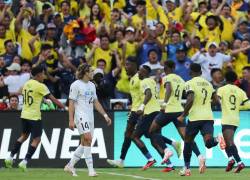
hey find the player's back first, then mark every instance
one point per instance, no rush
(203, 91)
(33, 93)
(134, 87)
(177, 87)
(231, 99)
(153, 104)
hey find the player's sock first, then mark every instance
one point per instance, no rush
(125, 146)
(228, 152)
(88, 158)
(187, 154)
(235, 153)
(30, 153)
(196, 150)
(16, 148)
(211, 143)
(77, 155)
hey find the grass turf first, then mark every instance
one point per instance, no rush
(120, 174)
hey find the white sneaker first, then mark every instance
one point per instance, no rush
(70, 170)
(115, 163)
(93, 174)
(167, 155)
(202, 164)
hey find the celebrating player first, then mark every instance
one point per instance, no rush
(33, 93)
(82, 97)
(198, 108)
(232, 97)
(172, 108)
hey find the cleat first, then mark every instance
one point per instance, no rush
(202, 164)
(115, 163)
(230, 165)
(239, 168)
(185, 172)
(178, 149)
(70, 170)
(8, 163)
(167, 155)
(22, 166)
(149, 164)
(221, 142)
(168, 169)
(93, 174)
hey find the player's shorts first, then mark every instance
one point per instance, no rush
(35, 128)
(133, 118)
(144, 124)
(163, 119)
(204, 126)
(231, 127)
(84, 125)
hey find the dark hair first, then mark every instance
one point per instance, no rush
(152, 50)
(246, 68)
(131, 59)
(101, 60)
(147, 68)
(202, 3)
(37, 70)
(25, 61)
(195, 68)
(104, 36)
(7, 41)
(82, 70)
(67, 2)
(45, 47)
(169, 64)
(99, 16)
(140, 2)
(46, 6)
(231, 76)
(14, 96)
(214, 70)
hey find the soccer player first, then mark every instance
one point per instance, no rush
(33, 93)
(198, 108)
(82, 98)
(171, 109)
(232, 98)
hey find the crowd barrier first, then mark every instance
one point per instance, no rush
(58, 142)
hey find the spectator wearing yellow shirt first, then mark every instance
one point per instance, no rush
(138, 19)
(95, 17)
(85, 7)
(175, 13)
(3, 38)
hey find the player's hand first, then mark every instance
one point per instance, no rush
(163, 106)
(108, 120)
(181, 118)
(71, 125)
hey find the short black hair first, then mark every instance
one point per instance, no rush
(101, 60)
(45, 47)
(147, 68)
(7, 41)
(214, 70)
(202, 3)
(67, 2)
(36, 70)
(104, 36)
(246, 68)
(195, 68)
(14, 96)
(132, 59)
(141, 2)
(46, 6)
(169, 64)
(231, 76)
(152, 50)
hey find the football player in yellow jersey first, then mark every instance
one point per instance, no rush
(33, 93)
(171, 109)
(232, 98)
(134, 86)
(198, 108)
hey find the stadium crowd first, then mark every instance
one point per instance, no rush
(61, 35)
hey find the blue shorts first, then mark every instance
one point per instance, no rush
(204, 126)
(133, 118)
(144, 124)
(225, 127)
(34, 128)
(163, 119)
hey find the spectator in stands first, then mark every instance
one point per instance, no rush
(3, 38)
(130, 7)
(217, 78)
(242, 31)
(10, 52)
(118, 106)
(182, 64)
(13, 103)
(65, 8)
(153, 62)
(245, 83)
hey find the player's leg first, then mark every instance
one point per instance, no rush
(36, 133)
(231, 150)
(132, 121)
(207, 131)
(192, 130)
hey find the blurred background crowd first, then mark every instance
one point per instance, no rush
(62, 34)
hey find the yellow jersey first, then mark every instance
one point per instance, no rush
(105, 55)
(203, 91)
(122, 84)
(231, 99)
(33, 93)
(177, 87)
(134, 88)
(153, 104)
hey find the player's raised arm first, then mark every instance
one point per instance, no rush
(100, 109)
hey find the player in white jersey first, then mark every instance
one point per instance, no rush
(82, 100)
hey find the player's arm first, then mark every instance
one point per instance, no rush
(245, 105)
(167, 94)
(56, 101)
(188, 106)
(100, 109)
(71, 114)
(148, 96)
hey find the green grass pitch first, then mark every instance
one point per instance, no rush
(121, 174)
